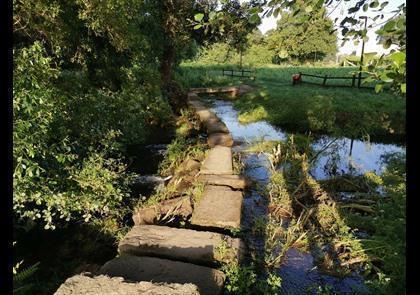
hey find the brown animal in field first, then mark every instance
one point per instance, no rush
(296, 78)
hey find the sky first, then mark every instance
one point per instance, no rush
(370, 46)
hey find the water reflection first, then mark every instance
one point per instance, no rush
(346, 156)
(299, 273)
(343, 156)
(251, 132)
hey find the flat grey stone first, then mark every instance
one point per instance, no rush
(233, 181)
(223, 139)
(188, 245)
(219, 207)
(196, 104)
(148, 215)
(85, 284)
(218, 161)
(214, 89)
(157, 270)
(214, 125)
(192, 95)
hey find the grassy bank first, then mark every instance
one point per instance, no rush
(364, 234)
(338, 111)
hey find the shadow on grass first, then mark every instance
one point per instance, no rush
(336, 111)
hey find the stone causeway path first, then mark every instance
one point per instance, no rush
(156, 259)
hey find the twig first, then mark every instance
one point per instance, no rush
(322, 150)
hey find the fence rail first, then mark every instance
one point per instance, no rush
(239, 73)
(353, 79)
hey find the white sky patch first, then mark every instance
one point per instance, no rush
(371, 45)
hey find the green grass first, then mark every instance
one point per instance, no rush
(338, 111)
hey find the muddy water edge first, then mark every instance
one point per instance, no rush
(335, 157)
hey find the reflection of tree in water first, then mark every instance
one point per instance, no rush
(338, 156)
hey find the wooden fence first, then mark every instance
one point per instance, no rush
(324, 78)
(239, 73)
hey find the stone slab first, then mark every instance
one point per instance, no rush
(200, 247)
(233, 181)
(214, 125)
(218, 161)
(223, 139)
(157, 270)
(148, 215)
(86, 284)
(218, 207)
(213, 89)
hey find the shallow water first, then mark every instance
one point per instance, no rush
(298, 272)
(341, 157)
(245, 133)
(145, 160)
(345, 157)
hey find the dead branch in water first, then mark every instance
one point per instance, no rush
(360, 207)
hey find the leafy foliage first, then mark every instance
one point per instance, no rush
(392, 32)
(311, 42)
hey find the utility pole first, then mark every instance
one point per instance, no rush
(363, 51)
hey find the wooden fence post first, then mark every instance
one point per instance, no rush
(325, 81)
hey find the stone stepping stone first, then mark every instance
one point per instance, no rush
(85, 284)
(218, 161)
(223, 139)
(207, 115)
(187, 245)
(192, 96)
(214, 89)
(219, 207)
(157, 270)
(196, 104)
(148, 215)
(214, 125)
(233, 181)
(210, 121)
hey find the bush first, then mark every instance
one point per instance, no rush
(68, 138)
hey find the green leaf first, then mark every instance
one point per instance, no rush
(198, 17)
(379, 87)
(212, 15)
(197, 26)
(398, 58)
(283, 54)
(365, 7)
(374, 4)
(384, 4)
(403, 87)
(387, 43)
(308, 9)
(384, 77)
(389, 26)
(254, 18)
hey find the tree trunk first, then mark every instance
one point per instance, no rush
(166, 65)
(240, 59)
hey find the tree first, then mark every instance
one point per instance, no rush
(232, 23)
(312, 42)
(352, 29)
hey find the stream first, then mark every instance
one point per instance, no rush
(342, 156)
(298, 272)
